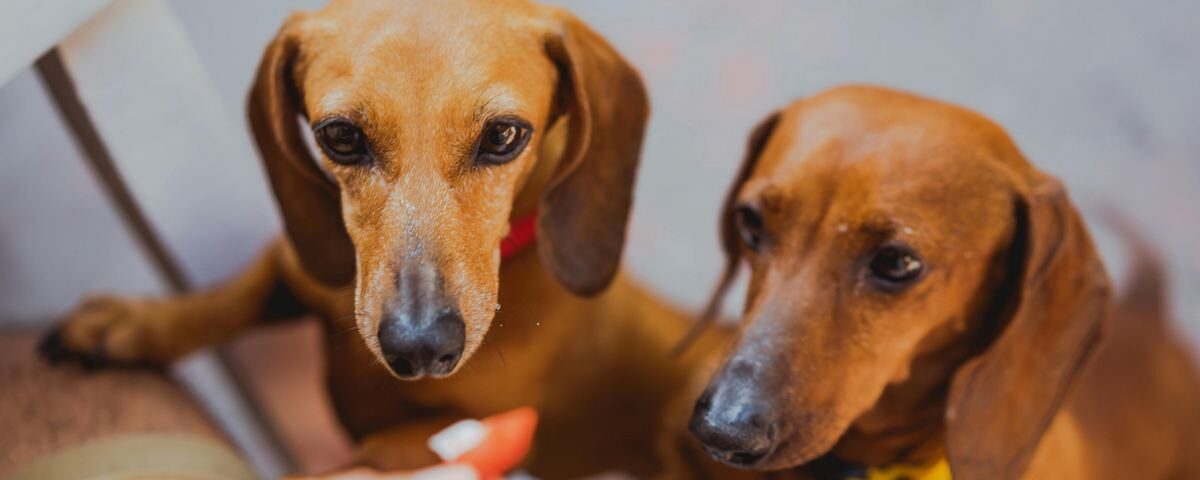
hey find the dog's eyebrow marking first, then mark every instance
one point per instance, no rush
(499, 101)
(339, 102)
(334, 101)
(771, 197)
(878, 226)
(483, 106)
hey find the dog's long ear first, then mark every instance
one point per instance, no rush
(727, 226)
(585, 208)
(308, 201)
(1002, 402)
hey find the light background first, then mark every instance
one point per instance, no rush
(1102, 93)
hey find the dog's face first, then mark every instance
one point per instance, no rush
(425, 127)
(878, 228)
(430, 117)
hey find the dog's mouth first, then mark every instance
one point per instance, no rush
(825, 466)
(822, 463)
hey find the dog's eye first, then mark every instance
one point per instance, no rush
(895, 266)
(342, 141)
(502, 140)
(750, 227)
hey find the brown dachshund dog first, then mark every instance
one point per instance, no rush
(440, 124)
(920, 293)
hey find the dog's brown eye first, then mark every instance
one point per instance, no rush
(750, 226)
(896, 266)
(342, 141)
(502, 140)
(500, 137)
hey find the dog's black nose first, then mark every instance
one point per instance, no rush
(414, 347)
(734, 427)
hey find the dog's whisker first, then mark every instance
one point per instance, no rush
(355, 315)
(343, 332)
(500, 353)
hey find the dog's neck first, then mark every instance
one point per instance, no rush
(522, 233)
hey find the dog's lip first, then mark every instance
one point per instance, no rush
(768, 460)
(812, 456)
(731, 458)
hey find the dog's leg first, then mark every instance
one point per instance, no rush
(156, 331)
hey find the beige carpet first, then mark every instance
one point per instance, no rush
(44, 409)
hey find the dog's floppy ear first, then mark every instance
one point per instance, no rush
(585, 208)
(308, 201)
(1002, 402)
(727, 226)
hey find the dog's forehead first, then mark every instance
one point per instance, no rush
(360, 50)
(902, 139)
(422, 81)
(873, 122)
(860, 155)
(443, 27)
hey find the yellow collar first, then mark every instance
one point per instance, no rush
(938, 470)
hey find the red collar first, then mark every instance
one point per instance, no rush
(521, 233)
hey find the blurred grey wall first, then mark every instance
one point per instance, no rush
(1101, 93)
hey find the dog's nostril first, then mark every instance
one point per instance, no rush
(447, 359)
(759, 422)
(402, 367)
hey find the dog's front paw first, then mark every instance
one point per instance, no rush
(105, 330)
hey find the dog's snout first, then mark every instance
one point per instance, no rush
(736, 424)
(414, 346)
